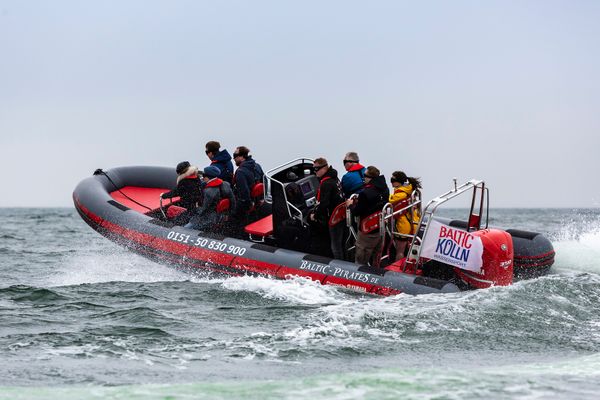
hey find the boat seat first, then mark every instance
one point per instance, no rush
(175, 211)
(141, 199)
(223, 206)
(261, 228)
(257, 194)
(257, 191)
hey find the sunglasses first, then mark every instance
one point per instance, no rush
(236, 155)
(349, 161)
(206, 151)
(318, 167)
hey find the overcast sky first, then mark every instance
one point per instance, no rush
(505, 91)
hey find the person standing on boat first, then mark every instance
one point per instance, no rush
(370, 200)
(353, 179)
(215, 189)
(407, 221)
(247, 174)
(188, 190)
(220, 159)
(329, 196)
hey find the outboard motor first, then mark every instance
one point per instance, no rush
(497, 266)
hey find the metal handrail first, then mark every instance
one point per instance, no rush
(349, 223)
(160, 205)
(386, 224)
(432, 206)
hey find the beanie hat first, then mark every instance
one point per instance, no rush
(211, 171)
(182, 167)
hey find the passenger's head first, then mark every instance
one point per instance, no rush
(320, 167)
(350, 160)
(398, 178)
(211, 172)
(212, 148)
(240, 154)
(182, 167)
(371, 173)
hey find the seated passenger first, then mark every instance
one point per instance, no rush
(371, 200)
(406, 222)
(188, 190)
(215, 189)
(220, 159)
(329, 196)
(246, 175)
(353, 179)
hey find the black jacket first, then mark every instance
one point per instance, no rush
(248, 173)
(373, 197)
(329, 196)
(188, 189)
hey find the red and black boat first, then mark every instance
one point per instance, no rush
(124, 205)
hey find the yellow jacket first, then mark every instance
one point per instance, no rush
(406, 222)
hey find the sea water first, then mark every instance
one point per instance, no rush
(81, 317)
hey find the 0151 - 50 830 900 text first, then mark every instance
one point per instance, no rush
(210, 244)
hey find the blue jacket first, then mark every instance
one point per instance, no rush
(353, 180)
(222, 160)
(247, 174)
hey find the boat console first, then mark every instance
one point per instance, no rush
(309, 187)
(292, 189)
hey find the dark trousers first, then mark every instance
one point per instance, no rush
(366, 246)
(337, 236)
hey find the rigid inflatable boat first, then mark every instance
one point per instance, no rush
(124, 205)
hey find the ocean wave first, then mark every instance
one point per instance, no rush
(136, 315)
(12, 237)
(543, 313)
(23, 293)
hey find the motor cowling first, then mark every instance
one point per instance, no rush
(497, 260)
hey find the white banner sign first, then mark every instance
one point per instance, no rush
(453, 246)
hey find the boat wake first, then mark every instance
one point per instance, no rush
(111, 265)
(578, 248)
(296, 290)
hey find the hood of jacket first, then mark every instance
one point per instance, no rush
(190, 172)
(404, 188)
(380, 184)
(222, 156)
(214, 182)
(356, 167)
(331, 173)
(248, 163)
